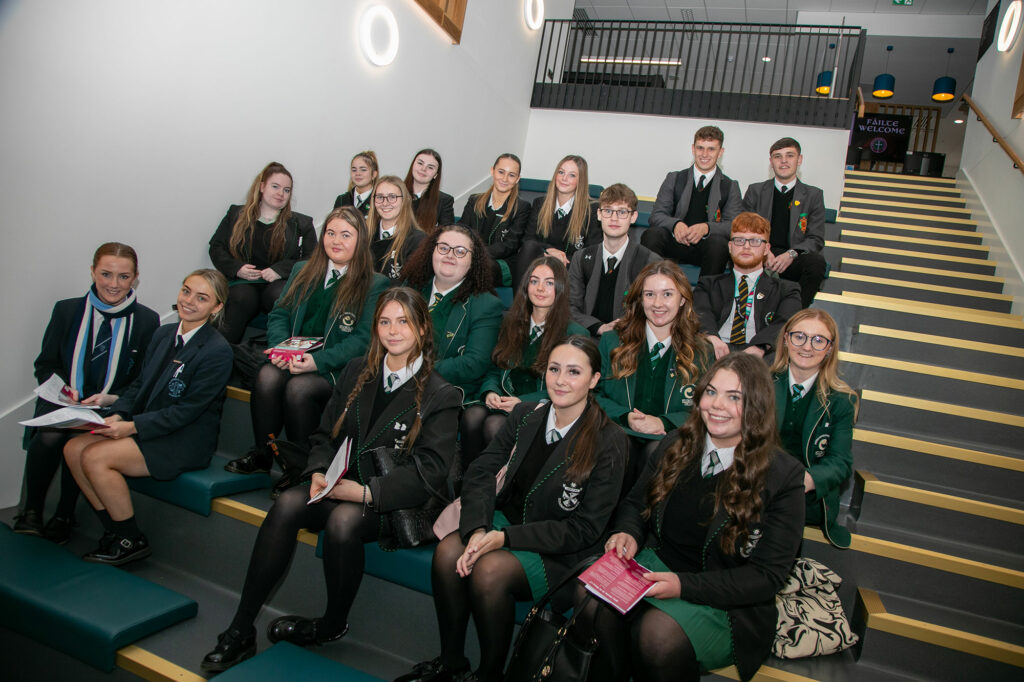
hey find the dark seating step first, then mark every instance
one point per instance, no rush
(882, 177)
(867, 185)
(872, 340)
(194, 490)
(918, 245)
(924, 217)
(896, 253)
(951, 234)
(285, 661)
(941, 276)
(885, 286)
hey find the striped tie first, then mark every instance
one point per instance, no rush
(739, 320)
(559, 214)
(611, 263)
(437, 299)
(655, 353)
(392, 380)
(335, 276)
(700, 183)
(713, 461)
(535, 333)
(798, 390)
(553, 436)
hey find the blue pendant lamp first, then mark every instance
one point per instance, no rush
(945, 86)
(885, 83)
(823, 85)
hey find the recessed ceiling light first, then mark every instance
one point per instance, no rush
(958, 120)
(766, 59)
(630, 60)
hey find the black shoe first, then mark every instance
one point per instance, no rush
(232, 648)
(58, 529)
(286, 481)
(435, 671)
(301, 631)
(116, 551)
(253, 463)
(29, 523)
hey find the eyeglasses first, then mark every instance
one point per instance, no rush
(617, 212)
(459, 251)
(799, 339)
(386, 198)
(753, 241)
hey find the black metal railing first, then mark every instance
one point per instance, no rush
(752, 72)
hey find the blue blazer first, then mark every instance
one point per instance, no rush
(176, 403)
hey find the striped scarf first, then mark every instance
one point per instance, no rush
(121, 317)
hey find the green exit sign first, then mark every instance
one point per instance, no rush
(905, 3)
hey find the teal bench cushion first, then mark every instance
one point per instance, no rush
(285, 661)
(88, 611)
(195, 490)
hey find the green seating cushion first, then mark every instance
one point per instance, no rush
(285, 661)
(195, 490)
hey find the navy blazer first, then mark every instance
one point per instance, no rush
(806, 212)
(175, 403)
(775, 301)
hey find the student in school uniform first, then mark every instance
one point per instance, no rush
(256, 246)
(499, 216)
(564, 220)
(392, 398)
(600, 275)
(394, 234)
(165, 423)
(332, 296)
(423, 180)
(451, 269)
(816, 411)
(717, 518)
(95, 344)
(537, 322)
(564, 471)
(362, 177)
(653, 359)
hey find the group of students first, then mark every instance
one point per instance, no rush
(592, 441)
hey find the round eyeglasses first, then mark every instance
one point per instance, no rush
(459, 251)
(799, 339)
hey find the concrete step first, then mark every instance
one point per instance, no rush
(897, 228)
(945, 217)
(882, 178)
(909, 200)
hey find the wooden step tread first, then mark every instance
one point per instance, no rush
(875, 486)
(153, 668)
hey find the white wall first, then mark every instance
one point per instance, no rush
(909, 24)
(640, 150)
(998, 188)
(140, 121)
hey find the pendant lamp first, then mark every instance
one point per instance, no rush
(885, 83)
(945, 86)
(823, 84)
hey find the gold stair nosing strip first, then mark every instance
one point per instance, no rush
(151, 667)
(886, 177)
(236, 393)
(877, 618)
(764, 674)
(922, 199)
(650, 199)
(902, 185)
(861, 435)
(920, 286)
(844, 205)
(899, 305)
(845, 260)
(963, 505)
(948, 409)
(932, 370)
(966, 344)
(910, 254)
(915, 216)
(907, 227)
(882, 236)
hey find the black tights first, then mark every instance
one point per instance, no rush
(346, 529)
(294, 401)
(490, 593)
(246, 301)
(479, 426)
(45, 454)
(646, 643)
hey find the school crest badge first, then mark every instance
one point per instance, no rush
(570, 498)
(821, 445)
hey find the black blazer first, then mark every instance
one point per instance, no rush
(383, 262)
(503, 239)
(299, 244)
(806, 212)
(775, 301)
(348, 199)
(743, 583)
(445, 210)
(176, 404)
(565, 522)
(585, 271)
(436, 445)
(673, 201)
(556, 237)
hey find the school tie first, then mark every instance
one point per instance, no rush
(559, 214)
(535, 333)
(179, 344)
(437, 299)
(612, 260)
(361, 205)
(392, 380)
(739, 319)
(100, 358)
(713, 461)
(387, 234)
(335, 277)
(553, 436)
(798, 391)
(655, 353)
(784, 190)
(700, 183)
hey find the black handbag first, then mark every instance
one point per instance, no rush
(547, 649)
(405, 528)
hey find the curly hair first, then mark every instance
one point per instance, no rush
(515, 329)
(739, 488)
(241, 234)
(419, 270)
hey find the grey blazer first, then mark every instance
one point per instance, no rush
(585, 270)
(806, 212)
(671, 205)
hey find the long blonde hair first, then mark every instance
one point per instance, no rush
(579, 219)
(405, 224)
(828, 371)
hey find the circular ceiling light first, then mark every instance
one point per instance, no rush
(958, 121)
(533, 13)
(1010, 27)
(371, 15)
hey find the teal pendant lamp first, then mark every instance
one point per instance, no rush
(823, 84)
(945, 86)
(884, 86)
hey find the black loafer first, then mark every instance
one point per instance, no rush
(252, 463)
(117, 551)
(232, 648)
(58, 529)
(301, 631)
(29, 523)
(435, 671)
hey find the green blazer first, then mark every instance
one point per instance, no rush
(346, 335)
(497, 381)
(827, 455)
(470, 334)
(617, 396)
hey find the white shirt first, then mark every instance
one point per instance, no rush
(403, 374)
(606, 254)
(789, 187)
(187, 336)
(806, 385)
(551, 426)
(387, 234)
(567, 206)
(331, 269)
(536, 325)
(725, 333)
(708, 177)
(652, 339)
(435, 290)
(360, 198)
(725, 457)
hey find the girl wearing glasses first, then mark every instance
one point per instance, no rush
(395, 234)
(499, 216)
(423, 180)
(816, 411)
(256, 246)
(451, 269)
(362, 177)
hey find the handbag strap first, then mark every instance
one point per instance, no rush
(569, 577)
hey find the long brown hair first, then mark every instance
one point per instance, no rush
(740, 486)
(405, 223)
(515, 329)
(418, 316)
(350, 293)
(419, 271)
(828, 371)
(686, 337)
(245, 225)
(579, 219)
(513, 196)
(426, 209)
(586, 442)
(371, 161)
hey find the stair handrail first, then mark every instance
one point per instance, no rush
(996, 137)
